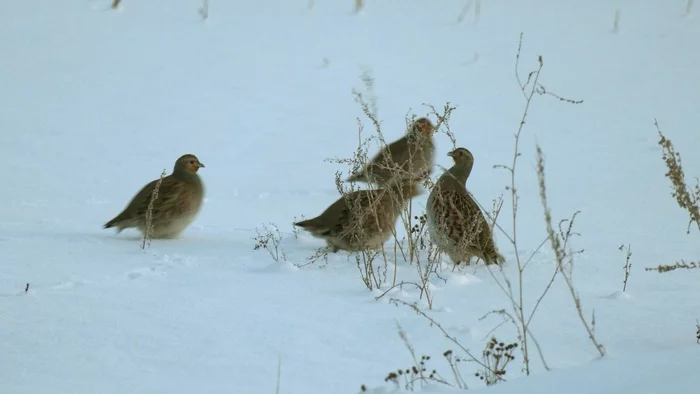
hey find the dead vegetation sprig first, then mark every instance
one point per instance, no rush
(115, 4)
(564, 256)
(628, 264)
(269, 239)
(495, 358)
(432, 321)
(529, 87)
(496, 355)
(465, 10)
(678, 265)
(686, 197)
(204, 10)
(491, 366)
(359, 5)
(147, 235)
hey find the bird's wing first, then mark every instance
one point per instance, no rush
(169, 193)
(460, 217)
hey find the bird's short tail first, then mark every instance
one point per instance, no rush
(359, 177)
(313, 226)
(115, 223)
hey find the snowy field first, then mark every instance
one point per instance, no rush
(96, 102)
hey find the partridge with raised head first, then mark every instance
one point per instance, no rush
(409, 158)
(176, 205)
(361, 220)
(456, 224)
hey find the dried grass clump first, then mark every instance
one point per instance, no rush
(687, 198)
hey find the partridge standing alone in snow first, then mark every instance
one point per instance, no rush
(361, 220)
(456, 225)
(408, 158)
(178, 202)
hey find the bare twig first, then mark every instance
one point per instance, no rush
(204, 10)
(562, 256)
(149, 213)
(628, 264)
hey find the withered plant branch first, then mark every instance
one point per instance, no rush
(561, 255)
(454, 340)
(147, 235)
(686, 198)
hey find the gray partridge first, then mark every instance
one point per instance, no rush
(409, 158)
(178, 202)
(362, 219)
(456, 225)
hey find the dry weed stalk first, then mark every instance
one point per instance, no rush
(483, 364)
(149, 213)
(680, 264)
(496, 355)
(616, 21)
(269, 239)
(687, 198)
(564, 257)
(628, 264)
(359, 5)
(465, 10)
(115, 4)
(204, 10)
(279, 374)
(528, 87)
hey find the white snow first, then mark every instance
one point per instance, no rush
(96, 102)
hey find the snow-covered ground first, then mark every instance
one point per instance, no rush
(95, 103)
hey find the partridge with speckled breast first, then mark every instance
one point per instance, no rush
(177, 204)
(410, 158)
(361, 220)
(456, 224)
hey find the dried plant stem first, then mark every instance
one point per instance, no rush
(149, 213)
(444, 332)
(628, 265)
(561, 255)
(681, 264)
(204, 10)
(359, 5)
(686, 198)
(518, 303)
(115, 4)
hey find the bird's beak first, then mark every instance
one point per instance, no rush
(200, 165)
(451, 154)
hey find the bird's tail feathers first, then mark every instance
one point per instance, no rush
(359, 177)
(313, 226)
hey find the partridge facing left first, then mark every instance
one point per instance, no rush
(177, 204)
(361, 220)
(456, 224)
